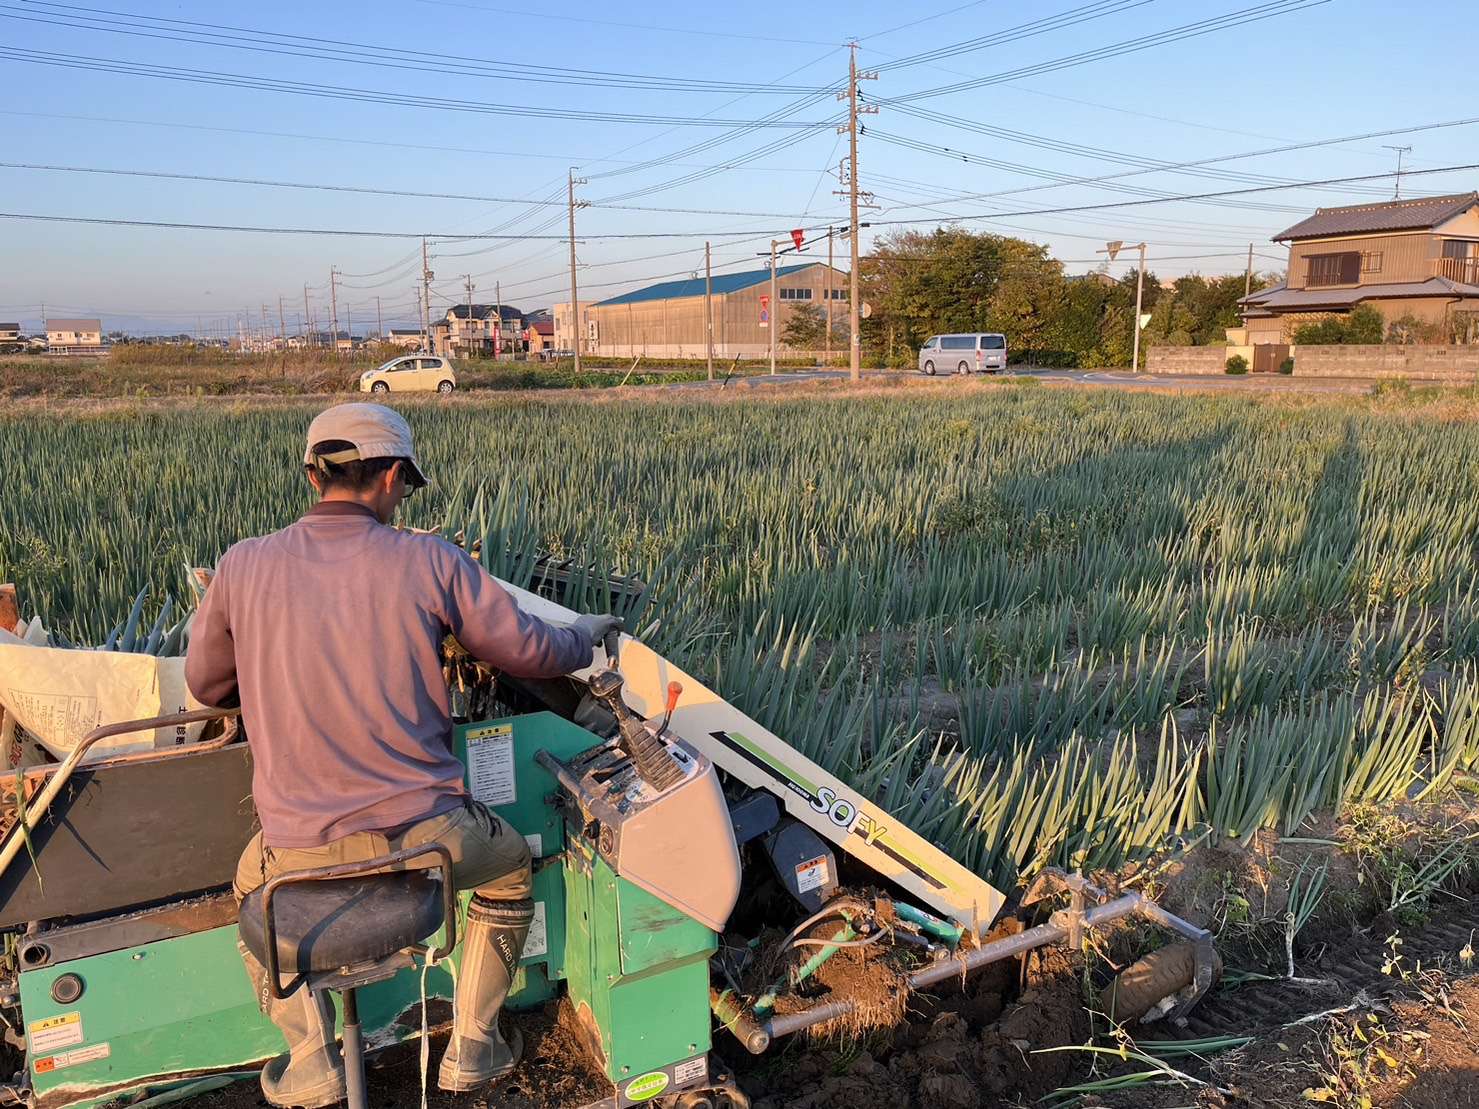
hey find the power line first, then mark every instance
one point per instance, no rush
(366, 190)
(452, 237)
(629, 26)
(124, 67)
(588, 160)
(260, 41)
(1238, 18)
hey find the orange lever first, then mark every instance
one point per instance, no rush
(675, 690)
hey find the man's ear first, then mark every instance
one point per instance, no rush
(387, 479)
(314, 479)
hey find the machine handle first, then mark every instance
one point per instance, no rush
(356, 870)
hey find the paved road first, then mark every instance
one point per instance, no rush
(1120, 379)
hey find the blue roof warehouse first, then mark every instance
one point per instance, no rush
(668, 320)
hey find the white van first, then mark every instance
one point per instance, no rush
(982, 351)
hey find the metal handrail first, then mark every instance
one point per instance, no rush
(31, 814)
(356, 870)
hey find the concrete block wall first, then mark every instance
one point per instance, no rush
(1452, 364)
(1186, 360)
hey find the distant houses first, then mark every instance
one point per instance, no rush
(74, 336)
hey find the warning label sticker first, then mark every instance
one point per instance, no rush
(490, 764)
(536, 845)
(813, 874)
(55, 1032)
(691, 1071)
(66, 1059)
(538, 941)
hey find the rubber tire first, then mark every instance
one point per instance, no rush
(445, 387)
(1138, 988)
(964, 367)
(379, 387)
(929, 368)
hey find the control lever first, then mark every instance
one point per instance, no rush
(611, 644)
(645, 750)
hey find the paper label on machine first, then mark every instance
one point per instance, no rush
(538, 941)
(56, 1032)
(691, 1071)
(65, 1059)
(490, 764)
(813, 875)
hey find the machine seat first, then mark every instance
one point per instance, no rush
(333, 923)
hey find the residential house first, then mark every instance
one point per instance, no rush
(669, 319)
(10, 332)
(479, 330)
(1405, 258)
(74, 336)
(572, 329)
(539, 336)
(407, 337)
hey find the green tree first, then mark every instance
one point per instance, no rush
(1365, 325)
(805, 328)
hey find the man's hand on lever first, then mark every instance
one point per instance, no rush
(598, 627)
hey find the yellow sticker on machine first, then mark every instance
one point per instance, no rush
(56, 1032)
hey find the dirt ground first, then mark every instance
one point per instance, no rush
(958, 1048)
(553, 1075)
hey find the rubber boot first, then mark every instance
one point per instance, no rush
(477, 1052)
(311, 1074)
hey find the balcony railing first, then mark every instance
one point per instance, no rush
(1464, 270)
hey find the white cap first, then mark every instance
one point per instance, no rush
(374, 432)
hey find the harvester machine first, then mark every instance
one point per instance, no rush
(693, 876)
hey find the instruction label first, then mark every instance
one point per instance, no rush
(813, 874)
(691, 1071)
(55, 1032)
(538, 941)
(66, 1059)
(490, 764)
(536, 845)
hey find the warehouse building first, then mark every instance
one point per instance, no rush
(667, 320)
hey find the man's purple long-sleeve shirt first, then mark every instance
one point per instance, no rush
(329, 632)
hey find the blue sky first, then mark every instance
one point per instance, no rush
(1339, 68)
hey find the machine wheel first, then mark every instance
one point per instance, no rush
(929, 368)
(1144, 984)
(380, 387)
(964, 367)
(444, 387)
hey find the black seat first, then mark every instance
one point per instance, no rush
(333, 923)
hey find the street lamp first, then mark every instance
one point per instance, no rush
(1113, 249)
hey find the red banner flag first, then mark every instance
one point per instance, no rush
(797, 236)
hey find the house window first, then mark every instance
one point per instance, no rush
(795, 294)
(1371, 261)
(1334, 269)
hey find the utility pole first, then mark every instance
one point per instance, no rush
(1248, 277)
(425, 299)
(575, 319)
(498, 320)
(266, 331)
(467, 282)
(1401, 150)
(827, 339)
(379, 322)
(307, 315)
(855, 362)
(334, 309)
(282, 323)
(709, 308)
(774, 314)
(1139, 296)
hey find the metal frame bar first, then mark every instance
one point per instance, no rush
(62, 772)
(356, 870)
(1066, 924)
